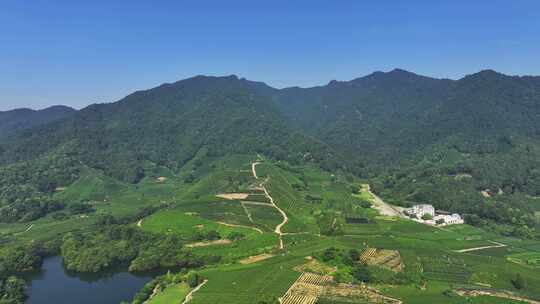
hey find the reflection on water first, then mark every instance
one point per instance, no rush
(54, 284)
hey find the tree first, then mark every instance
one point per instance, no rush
(236, 236)
(519, 282)
(354, 255)
(361, 273)
(12, 290)
(329, 254)
(364, 204)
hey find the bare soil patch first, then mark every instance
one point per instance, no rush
(384, 208)
(389, 259)
(233, 196)
(316, 267)
(498, 294)
(461, 176)
(256, 258)
(209, 243)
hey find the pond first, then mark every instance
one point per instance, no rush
(54, 284)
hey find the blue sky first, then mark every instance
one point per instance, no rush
(81, 52)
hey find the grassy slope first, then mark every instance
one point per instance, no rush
(172, 294)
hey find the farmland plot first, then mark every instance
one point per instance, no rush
(390, 259)
(307, 289)
(446, 268)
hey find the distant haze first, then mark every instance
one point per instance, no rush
(76, 53)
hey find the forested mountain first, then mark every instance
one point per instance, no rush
(168, 125)
(22, 119)
(165, 126)
(436, 141)
(417, 139)
(388, 114)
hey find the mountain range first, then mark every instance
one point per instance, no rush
(21, 119)
(454, 143)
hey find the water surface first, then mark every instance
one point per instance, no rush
(54, 284)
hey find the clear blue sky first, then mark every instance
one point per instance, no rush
(81, 52)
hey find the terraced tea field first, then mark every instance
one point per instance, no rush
(447, 269)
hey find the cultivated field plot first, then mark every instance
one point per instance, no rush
(257, 196)
(347, 293)
(528, 259)
(314, 266)
(230, 212)
(247, 284)
(313, 288)
(389, 259)
(263, 216)
(307, 289)
(186, 224)
(446, 268)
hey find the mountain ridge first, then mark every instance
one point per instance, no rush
(379, 127)
(16, 120)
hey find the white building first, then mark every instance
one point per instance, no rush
(441, 219)
(420, 210)
(448, 219)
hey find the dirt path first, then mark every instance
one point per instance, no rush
(139, 223)
(257, 203)
(253, 169)
(497, 245)
(240, 226)
(26, 230)
(190, 294)
(247, 212)
(29, 227)
(498, 294)
(382, 207)
(283, 214)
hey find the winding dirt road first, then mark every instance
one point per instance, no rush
(383, 207)
(497, 245)
(283, 214)
(253, 169)
(241, 226)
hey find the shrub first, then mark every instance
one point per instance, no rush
(193, 279)
(361, 273)
(519, 282)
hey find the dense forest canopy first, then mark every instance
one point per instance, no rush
(17, 120)
(417, 139)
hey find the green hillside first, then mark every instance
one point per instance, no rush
(253, 188)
